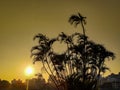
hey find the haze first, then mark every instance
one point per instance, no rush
(20, 20)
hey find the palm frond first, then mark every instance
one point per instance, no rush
(51, 41)
(73, 18)
(38, 47)
(77, 19)
(82, 18)
(104, 69)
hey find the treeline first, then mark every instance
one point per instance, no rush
(14, 85)
(38, 83)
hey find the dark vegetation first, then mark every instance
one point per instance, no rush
(79, 66)
(39, 83)
(14, 85)
(34, 84)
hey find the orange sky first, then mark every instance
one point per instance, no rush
(20, 20)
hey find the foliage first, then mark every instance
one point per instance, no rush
(4, 84)
(79, 66)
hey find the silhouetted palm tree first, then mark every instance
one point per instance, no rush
(78, 19)
(79, 67)
(41, 52)
(71, 65)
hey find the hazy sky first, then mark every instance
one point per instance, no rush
(20, 20)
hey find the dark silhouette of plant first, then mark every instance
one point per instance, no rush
(17, 85)
(98, 50)
(4, 85)
(79, 66)
(78, 19)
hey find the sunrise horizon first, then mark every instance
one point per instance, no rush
(21, 20)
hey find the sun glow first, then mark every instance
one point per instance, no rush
(29, 70)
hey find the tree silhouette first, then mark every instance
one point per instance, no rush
(17, 85)
(79, 66)
(4, 85)
(78, 19)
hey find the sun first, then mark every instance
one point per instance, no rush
(29, 70)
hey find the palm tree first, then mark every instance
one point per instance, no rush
(71, 65)
(41, 53)
(80, 66)
(78, 19)
(97, 55)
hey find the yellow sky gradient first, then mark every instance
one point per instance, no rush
(20, 20)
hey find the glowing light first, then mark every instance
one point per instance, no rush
(29, 71)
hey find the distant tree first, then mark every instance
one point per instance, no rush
(37, 83)
(40, 80)
(17, 85)
(79, 66)
(4, 85)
